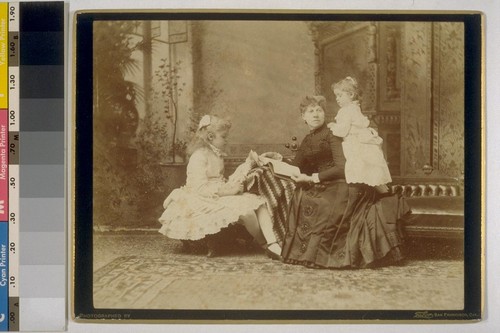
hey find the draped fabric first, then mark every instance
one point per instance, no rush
(277, 192)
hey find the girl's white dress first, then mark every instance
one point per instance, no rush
(195, 210)
(365, 162)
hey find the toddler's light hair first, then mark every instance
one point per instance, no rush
(350, 85)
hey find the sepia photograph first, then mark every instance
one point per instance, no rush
(277, 166)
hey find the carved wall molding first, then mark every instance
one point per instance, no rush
(329, 29)
(345, 31)
(387, 119)
(427, 190)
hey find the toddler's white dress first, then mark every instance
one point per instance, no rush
(365, 162)
(195, 210)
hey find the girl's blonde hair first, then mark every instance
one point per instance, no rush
(349, 85)
(208, 126)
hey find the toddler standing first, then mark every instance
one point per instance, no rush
(365, 162)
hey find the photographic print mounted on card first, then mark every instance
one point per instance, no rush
(182, 118)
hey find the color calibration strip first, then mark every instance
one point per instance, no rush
(4, 172)
(13, 141)
(32, 205)
(42, 267)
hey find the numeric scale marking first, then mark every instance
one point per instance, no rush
(14, 197)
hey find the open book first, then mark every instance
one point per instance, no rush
(280, 168)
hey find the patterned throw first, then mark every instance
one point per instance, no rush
(278, 193)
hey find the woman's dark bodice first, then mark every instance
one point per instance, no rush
(321, 152)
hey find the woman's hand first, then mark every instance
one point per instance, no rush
(230, 188)
(302, 178)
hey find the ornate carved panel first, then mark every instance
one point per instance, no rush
(416, 60)
(389, 59)
(448, 92)
(347, 49)
(412, 77)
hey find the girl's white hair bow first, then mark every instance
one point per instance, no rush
(204, 121)
(353, 80)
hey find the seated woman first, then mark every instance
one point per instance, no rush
(333, 224)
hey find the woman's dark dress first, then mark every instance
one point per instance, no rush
(334, 224)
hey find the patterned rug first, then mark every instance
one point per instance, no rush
(182, 281)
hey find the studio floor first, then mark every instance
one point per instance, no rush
(145, 270)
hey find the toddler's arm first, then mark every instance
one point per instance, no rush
(342, 124)
(339, 129)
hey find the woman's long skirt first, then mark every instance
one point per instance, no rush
(340, 225)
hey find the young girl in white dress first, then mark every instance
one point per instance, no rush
(365, 162)
(209, 203)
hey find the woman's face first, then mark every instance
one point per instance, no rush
(314, 116)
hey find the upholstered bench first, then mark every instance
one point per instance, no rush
(437, 210)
